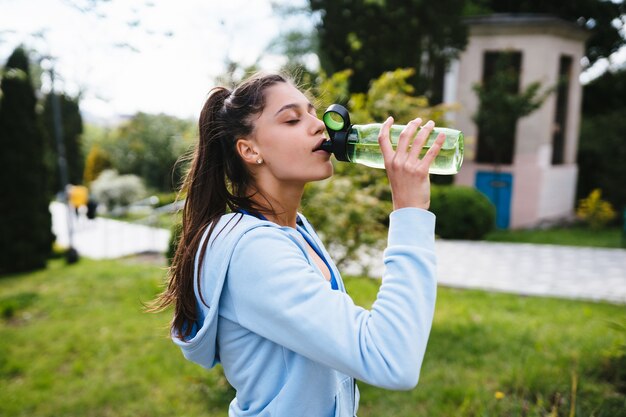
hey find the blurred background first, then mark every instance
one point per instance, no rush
(99, 101)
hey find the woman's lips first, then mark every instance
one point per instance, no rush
(319, 146)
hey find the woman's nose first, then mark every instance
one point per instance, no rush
(318, 125)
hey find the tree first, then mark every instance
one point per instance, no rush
(603, 19)
(149, 147)
(97, 161)
(25, 221)
(374, 36)
(606, 93)
(298, 42)
(602, 148)
(72, 123)
(500, 106)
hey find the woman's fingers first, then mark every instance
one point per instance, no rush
(406, 137)
(384, 142)
(434, 149)
(420, 140)
(409, 144)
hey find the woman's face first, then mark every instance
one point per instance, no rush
(287, 134)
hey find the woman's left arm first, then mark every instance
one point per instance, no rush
(280, 296)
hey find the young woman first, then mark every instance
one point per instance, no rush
(253, 286)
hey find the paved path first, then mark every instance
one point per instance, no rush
(102, 238)
(559, 271)
(546, 270)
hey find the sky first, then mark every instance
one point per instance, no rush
(122, 55)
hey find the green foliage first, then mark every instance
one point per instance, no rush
(594, 211)
(605, 94)
(176, 231)
(97, 161)
(350, 210)
(25, 222)
(500, 107)
(102, 347)
(602, 19)
(462, 212)
(149, 146)
(392, 94)
(72, 127)
(166, 198)
(614, 366)
(574, 235)
(347, 215)
(296, 43)
(373, 37)
(328, 90)
(11, 305)
(117, 191)
(602, 146)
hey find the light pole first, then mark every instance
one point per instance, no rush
(71, 255)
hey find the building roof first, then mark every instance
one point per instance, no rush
(525, 23)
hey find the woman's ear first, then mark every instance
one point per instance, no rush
(247, 151)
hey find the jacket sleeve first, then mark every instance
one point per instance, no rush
(280, 296)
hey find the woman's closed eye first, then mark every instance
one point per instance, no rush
(292, 122)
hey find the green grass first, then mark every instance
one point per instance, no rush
(74, 341)
(162, 220)
(570, 236)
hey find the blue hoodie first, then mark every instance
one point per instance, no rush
(289, 344)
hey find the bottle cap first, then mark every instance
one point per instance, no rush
(337, 121)
(336, 117)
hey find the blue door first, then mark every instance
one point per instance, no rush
(497, 186)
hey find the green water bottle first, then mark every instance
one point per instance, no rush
(359, 143)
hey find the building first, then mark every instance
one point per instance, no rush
(534, 182)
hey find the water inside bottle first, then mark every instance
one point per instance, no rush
(366, 150)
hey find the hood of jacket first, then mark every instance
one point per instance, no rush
(200, 346)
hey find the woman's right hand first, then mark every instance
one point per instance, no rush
(407, 173)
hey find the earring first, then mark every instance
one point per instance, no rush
(259, 161)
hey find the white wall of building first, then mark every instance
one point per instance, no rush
(541, 191)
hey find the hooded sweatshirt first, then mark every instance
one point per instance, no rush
(289, 343)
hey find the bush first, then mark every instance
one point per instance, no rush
(173, 245)
(601, 156)
(98, 160)
(166, 198)
(348, 215)
(594, 211)
(114, 190)
(462, 212)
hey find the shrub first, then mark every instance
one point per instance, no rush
(166, 198)
(462, 212)
(114, 190)
(173, 245)
(348, 215)
(594, 211)
(97, 161)
(602, 148)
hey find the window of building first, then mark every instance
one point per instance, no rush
(501, 75)
(560, 115)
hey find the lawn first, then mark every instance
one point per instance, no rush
(75, 341)
(576, 235)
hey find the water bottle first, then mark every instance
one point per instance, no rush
(359, 143)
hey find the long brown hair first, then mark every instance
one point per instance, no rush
(217, 182)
